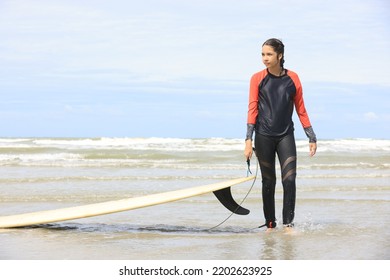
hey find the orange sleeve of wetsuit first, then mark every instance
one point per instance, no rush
(253, 107)
(298, 101)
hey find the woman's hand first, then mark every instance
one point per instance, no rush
(248, 149)
(313, 148)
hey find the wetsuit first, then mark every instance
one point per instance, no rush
(271, 105)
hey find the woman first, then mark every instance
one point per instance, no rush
(273, 94)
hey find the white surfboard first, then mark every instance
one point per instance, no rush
(221, 190)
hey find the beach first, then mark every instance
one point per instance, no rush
(343, 200)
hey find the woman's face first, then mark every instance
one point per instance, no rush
(270, 57)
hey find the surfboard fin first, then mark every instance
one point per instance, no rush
(226, 198)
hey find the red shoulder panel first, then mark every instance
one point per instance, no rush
(298, 100)
(253, 108)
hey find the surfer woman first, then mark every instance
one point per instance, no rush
(273, 94)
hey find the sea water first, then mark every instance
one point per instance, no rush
(342, 209)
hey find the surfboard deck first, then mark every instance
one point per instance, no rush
(109, 207)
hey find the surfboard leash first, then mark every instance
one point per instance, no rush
(249, 172)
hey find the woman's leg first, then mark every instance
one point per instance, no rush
(265, 152)
(287, 155)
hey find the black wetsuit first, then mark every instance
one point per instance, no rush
(271, 105)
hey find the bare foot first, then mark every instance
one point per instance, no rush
(290, 230)
(270, 230)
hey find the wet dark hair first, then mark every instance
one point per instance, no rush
(278, 47)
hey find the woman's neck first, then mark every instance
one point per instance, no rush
(276, 71)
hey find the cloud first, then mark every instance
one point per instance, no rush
(174, 40)
(370, 116)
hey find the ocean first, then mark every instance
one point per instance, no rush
(343, 200)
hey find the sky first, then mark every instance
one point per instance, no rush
(181, 69)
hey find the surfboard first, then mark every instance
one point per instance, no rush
(221, 190)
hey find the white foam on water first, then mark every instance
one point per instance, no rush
(181, 144)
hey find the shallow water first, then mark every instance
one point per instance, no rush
(343, 200)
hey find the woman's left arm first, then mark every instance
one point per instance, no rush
(303, 116)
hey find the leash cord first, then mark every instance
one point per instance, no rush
(250, 189)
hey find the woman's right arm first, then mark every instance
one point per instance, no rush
(252, 114)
